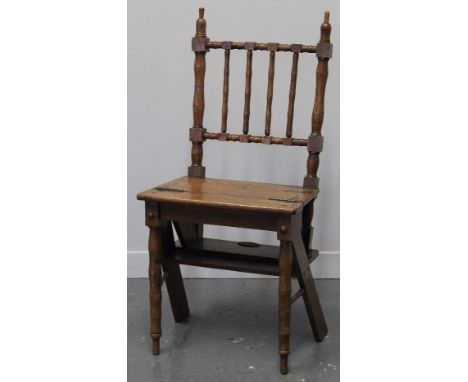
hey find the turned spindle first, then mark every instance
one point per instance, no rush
(315, 143)
(199, 46)
(248, 90)
(224, 114)
(198, 134)
(292, 89)
(272, 47)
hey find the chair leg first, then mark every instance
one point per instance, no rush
(176, 291)
(311, 298)
(174, 282)
(285, 270)
(154, 274)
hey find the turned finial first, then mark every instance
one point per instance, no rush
(325, 28)
(201, 23)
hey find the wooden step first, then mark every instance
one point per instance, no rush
(231, 255)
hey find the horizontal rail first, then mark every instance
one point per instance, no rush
(256, 139)
(263, 46)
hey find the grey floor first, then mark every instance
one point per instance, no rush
(231, 334)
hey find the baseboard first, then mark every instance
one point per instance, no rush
(326, 266)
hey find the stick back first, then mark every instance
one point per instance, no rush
(201, 44)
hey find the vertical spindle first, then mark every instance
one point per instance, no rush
(249, 46)
(272, 47)
(315, 142)
(199, 46)
(226, 45)
(296, 48)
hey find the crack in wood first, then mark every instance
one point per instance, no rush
(169, 189)
(285, 200)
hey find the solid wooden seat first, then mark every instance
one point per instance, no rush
(231, 193)
(188, 203)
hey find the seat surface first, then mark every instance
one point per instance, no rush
(231, 194)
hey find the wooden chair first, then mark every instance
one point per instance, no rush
(189, 202)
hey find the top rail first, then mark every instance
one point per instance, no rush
(262, 46)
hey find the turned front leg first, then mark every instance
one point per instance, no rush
(154, 274)
(285, 270)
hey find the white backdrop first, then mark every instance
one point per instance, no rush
(160, 91)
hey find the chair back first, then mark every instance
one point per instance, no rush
(201, 44)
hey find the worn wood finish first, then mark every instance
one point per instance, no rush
(196, 169)
(173, 276)
(189, 202)
(231, 194)
(176, 291)
(229, 255)
(271, 78)
(262, 46)
(227, 53)
(248, 92)
(285, 271)
(311, 179)
(292, 95)
(314, 143)
(154, 275)
(306, 282)
(229, 217)
(255, 139)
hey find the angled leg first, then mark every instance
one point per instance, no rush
(188, 232)
(285, 270)
(176, 291)
(306, 282)
(154, 274)
(174, 282)
(307, 230)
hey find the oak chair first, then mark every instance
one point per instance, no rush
(189, 202)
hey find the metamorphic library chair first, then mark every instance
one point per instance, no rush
(189, 202)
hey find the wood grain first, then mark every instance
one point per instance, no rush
(311, 179)
(306, 282)
(189, 202)
(254, 139)
(224, 113)
(271, 78)
(154, 276)
(263, 46)
(174, 282)
(285, 270)
(292, 95)
(231, 194)
(248, 92)
(196, 169)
